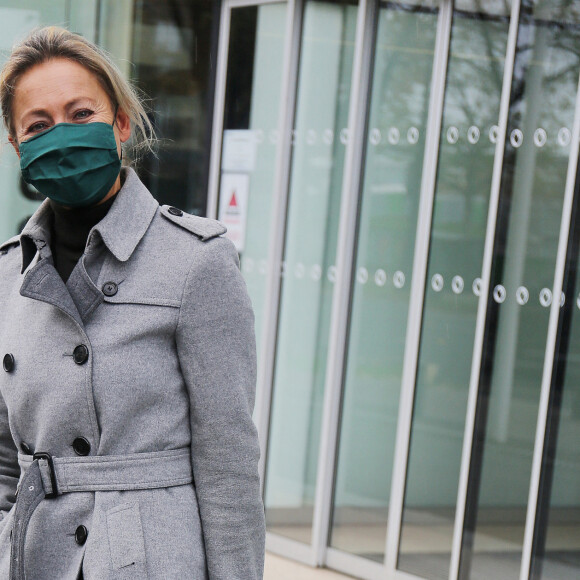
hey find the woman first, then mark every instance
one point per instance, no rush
(128, 350)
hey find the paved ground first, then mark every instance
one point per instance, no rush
(278, 568)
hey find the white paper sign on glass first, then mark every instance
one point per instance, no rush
(239, 150)
(234, 206)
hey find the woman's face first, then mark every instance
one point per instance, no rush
(62, 91)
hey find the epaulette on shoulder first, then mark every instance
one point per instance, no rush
(13, 242)
(204, 228)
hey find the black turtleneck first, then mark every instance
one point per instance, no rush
(70, 231)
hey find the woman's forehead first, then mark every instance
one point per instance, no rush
(55, 83)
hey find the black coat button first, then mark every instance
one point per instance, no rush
(175, 211)
(81, 535)
(81, 354)
(25, 448)
(110, 288)
(81, 446)
(8, 363)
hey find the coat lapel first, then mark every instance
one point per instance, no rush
(43, 283)
(83, 292)
(121, 230)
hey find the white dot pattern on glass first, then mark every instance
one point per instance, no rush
(564, 137)
(457, 284)
(437, 282)
(540, 137)
(375, 137)
(516, 138)
(362, 276)
(328, 136)
(331, 274)
(398, 279)
(413, 135)
(452, 135)
(499, 294)
(522, 295)
(380, 277)
(545, 297)
(473, 134)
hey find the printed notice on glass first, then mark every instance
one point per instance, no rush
(239, 151)
(233, 210)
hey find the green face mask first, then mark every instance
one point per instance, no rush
(75, 165)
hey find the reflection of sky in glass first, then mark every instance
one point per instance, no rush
(541, 112)
(466, 155)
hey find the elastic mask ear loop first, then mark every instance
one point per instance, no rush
(113, 125)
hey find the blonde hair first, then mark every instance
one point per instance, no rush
(44, 44)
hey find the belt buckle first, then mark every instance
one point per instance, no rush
(48, 458)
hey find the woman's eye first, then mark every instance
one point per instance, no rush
(84, 114)
(37, 127)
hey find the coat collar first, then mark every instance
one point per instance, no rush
(128, 219)
(121, 229)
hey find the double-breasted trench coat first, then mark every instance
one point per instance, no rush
(143, 363)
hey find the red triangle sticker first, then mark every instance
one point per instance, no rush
(233, 200)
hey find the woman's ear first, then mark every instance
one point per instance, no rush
(123, 124)
(14, 144)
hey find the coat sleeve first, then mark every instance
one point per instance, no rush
(217, 354)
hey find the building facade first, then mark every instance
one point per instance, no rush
(401, 181)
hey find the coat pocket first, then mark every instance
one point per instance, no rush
(126, 543)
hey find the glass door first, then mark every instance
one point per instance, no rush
(248, 133)
(471, 109)
(466, 156)
(537, 150)
(556, 543)
(319, 140)
(403, 65)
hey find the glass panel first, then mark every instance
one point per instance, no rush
(115, 20)
(319, 138)
(466, 154)
(256, 50)
(390, 199)
(538, 145)
(173, 56)
(557, 535)
(17, 19)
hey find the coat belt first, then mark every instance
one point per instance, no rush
(47, 477)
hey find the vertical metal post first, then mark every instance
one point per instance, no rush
(355, 150)
(482, 306)
(548, 371)
(218, 111)
(419, 275)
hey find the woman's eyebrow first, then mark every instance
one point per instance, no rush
(40, 112)
(78, 101)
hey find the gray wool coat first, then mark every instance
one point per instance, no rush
(147, 352)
